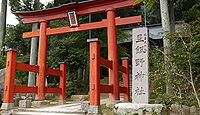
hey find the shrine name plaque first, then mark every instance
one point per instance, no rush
(140, 66)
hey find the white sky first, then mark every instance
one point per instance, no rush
(11, 19)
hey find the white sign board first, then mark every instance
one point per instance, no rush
(140, 79)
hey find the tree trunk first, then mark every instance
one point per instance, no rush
(164, 6)
(171, 15)
(84, 73)
(3, 11)
(80, 73)
(33, 52)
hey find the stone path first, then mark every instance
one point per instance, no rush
(69, 109)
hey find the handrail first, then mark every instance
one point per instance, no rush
(123, 89)
(105, 63)
(53, 72)
(53, 90)
(25, 89)
(106, 89)
(122, 69)
(26, 67)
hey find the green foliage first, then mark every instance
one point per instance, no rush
(70, 90)
(78, 87)
(22, 77)
(14, 38)
(25, 5)
(185, 54)
(149, 3)
(2, 62)
(182, 9)
(107, 110)
(193, 13)
(182, 6)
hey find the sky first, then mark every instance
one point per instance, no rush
(11, 19)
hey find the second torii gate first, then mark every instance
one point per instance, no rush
(79, 9)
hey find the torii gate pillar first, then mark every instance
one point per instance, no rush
(42, 58)
(113, 54)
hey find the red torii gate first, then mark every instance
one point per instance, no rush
(81, 8)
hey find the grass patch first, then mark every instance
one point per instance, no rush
(104, 110)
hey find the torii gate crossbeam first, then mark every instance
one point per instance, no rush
(81, 8)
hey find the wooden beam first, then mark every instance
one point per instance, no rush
(122, 89)
(122, 69)
(53, 90)
(25, 89)
(84, 27)
(102, 7)
(80, 8)
(106, 89)
(27, 68)
(105, 63)
(53, 72)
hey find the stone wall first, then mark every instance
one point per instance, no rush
(2, 77)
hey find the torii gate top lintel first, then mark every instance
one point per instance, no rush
(81, 8)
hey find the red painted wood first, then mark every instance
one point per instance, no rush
(53, 90)
(53, 72)
(122, 69)
(103, 5)
(126, 79)
(128, 20)
(62, 85)
(9, 77)
(94, 73)
(84, 27)
(113, 55)
(26, 67)
(105, 63)
(48, 17)
(25, 89)
(123, 89)
(42, 57)
(81, 9)
(106, 89)
(31, 34)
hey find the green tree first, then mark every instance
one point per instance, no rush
(25, 5)
(184, 61)
(3, 11)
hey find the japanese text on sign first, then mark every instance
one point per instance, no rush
(140, 81)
